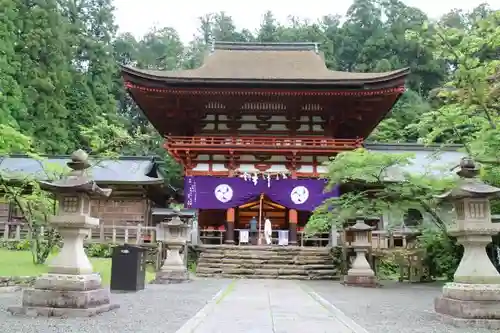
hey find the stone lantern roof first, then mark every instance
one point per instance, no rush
(360, 225)
(469, 185)
(77, 180)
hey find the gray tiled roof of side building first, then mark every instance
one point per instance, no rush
(434, 160)
(123, 170)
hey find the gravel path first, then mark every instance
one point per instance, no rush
(157, 309)
(394, 308)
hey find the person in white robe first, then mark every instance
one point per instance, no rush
(268, 230)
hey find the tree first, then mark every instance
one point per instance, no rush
(467, 108)
(399, 125)
(12, 105)
(268, 31)
(377, 183)
(43, 53)
(23, 190)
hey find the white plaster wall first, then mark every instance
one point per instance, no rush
(219, 167)
(201, 167)
(322, 159)
(248, 127)
(203, 157)
(209, 126)
(306, 168)
(251, 168)
(322, 169)
(394, 219)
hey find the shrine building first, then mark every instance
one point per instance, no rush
(253, 125)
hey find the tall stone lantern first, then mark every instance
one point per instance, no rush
(474, 296)
(174, 234)
(70, 288)
(361, 274)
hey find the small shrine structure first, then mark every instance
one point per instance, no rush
(253, 125)
(70, 288)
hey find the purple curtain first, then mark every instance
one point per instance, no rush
(206, 192)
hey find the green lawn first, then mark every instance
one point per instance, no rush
(19, 263)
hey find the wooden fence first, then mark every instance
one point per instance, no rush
(104, 234)
(139, 235)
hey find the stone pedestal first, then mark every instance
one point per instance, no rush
(173, 269)
(466, 305)
(70, 289)
(473, 299)
(361, 274)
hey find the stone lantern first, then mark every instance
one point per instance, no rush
(174, 234)
(474, 296)
(361, 274)
(70, 288)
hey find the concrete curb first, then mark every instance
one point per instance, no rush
(339, 315)
(192, 324)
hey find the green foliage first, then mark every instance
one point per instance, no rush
(336, 256)
(377, 184)
(96, 250)
(35, 205)
(387, 269)
(22, 245)
(442, 253)
(12, 141)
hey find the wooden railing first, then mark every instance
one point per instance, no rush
(381, 239)
(104, 234)
(262, 144)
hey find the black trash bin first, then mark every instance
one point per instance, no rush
(128, 268)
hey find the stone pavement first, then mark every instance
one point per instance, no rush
(269, 306)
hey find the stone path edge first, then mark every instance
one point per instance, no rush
(192, 324)
(339, 315)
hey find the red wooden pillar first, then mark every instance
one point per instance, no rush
(293, 218)
(230, 217)
(292, 226)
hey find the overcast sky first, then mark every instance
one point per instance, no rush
(138, 17)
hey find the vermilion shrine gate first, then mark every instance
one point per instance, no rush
(253, 125)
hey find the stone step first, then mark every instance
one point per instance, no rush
(268, 277)
(218, 247)
(264, 257)
(258, 265)
(308, 260)
(267, 252)
(264, 271)
(264, 262)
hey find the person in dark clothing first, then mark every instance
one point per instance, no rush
(253, 230)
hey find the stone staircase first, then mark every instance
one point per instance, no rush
(266, 262)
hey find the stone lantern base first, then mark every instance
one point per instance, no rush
(173, 269)
(361, 281)
(466, 305)
(171, 276)
(65, 295)
(361, 274)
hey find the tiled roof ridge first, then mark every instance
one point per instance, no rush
(266, 46)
